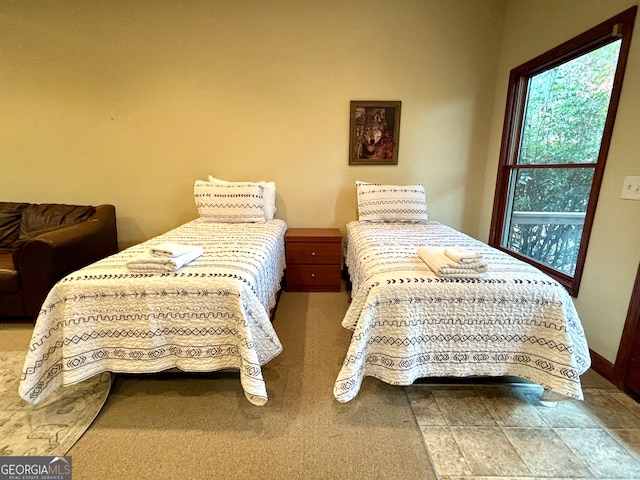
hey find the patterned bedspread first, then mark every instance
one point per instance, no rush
(409, 323)
(209, 315)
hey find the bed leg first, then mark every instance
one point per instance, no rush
(550, 399)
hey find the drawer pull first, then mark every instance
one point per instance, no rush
(313, 274)
(313, 254)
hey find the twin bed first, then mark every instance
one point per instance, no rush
(209, 315)
(408, 322)
(213, 313)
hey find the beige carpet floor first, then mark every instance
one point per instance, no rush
(52, 427)
(201, 426)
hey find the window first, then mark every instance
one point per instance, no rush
(560, 113)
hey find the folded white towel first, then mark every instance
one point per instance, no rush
(462, 255)
(444, 266)
(170, 249)
(148, 263)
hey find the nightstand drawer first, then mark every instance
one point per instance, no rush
(313, 277)
(314, 259)
(314, 253)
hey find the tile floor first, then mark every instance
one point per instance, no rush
(500, 430)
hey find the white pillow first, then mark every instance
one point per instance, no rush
(269, 195)
(229, 203)
(391, 203)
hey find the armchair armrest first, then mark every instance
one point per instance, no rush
(46, 258)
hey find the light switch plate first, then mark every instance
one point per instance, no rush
(631, 188)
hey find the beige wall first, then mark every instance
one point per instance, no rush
(129, 102)
(531, 28)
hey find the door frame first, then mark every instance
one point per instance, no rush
(630, 335)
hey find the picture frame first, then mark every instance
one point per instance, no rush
(374, 132)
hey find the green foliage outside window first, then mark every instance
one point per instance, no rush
(564, 121)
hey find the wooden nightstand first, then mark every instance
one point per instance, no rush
(314, 259)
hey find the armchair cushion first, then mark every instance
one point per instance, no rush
(46, 216)
(9, 282)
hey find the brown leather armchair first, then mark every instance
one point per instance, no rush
(41, 243)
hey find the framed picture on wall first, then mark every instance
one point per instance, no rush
(374, 130)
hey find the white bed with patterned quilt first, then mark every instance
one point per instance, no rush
(409, 323)
(209, 315)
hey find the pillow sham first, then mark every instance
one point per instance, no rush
(391, 203)
(269, 195)
(232, 203)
